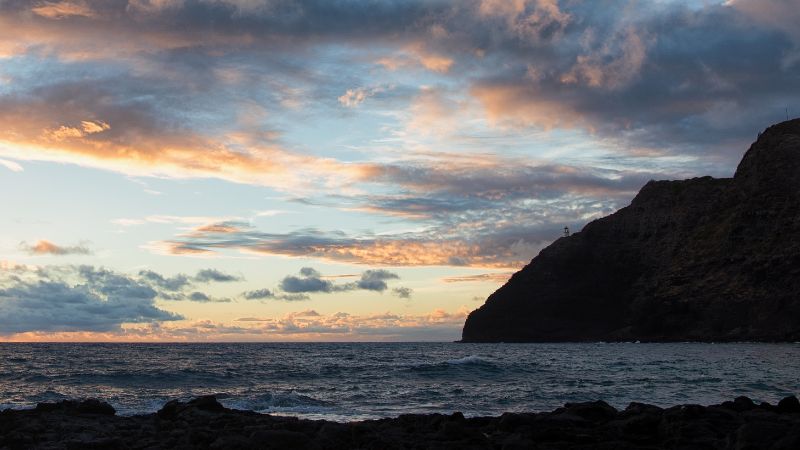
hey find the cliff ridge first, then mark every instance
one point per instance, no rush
(702, 259)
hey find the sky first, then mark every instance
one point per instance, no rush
(345, 170)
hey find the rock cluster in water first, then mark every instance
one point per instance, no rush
(703, 259)
(205, 424)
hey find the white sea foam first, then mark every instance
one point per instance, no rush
(471, 359)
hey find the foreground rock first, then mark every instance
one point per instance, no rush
(693, 260)
(204, 423)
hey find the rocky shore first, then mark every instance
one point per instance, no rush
(205, 423)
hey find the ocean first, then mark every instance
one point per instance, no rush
(355, 381)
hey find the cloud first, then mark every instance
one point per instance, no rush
(142, 142)
(481, 277)
(172, 284)
(402, 292)
(375, 280)
(11, 165)
(215, 224)
(63, 9)
(354, 97)
(439, 324)
(532, 21)
(266, 294)
(201, 297)
(96, 300)
(305, 325)
(258, 294)
(511, 248)
(479, 211)
(416, 54)
(180, 282)
(86, 128)
(178, 89)
(209, 275)
(309, 281)
(650, 74)
(45, 247)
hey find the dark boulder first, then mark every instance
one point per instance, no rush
(789, 405)
(204, 404)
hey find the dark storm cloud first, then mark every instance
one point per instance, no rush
(675, 76)
(96, 300)
(217, 22)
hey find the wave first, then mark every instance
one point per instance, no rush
(469, 364)
(290, 401)
(471, 359)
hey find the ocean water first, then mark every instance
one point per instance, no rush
(357, 381)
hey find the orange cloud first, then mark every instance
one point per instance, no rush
(395, 251)
(522, 105)
(45, 247)
(417, 54)
(131, 142)
(87, 127)
(219, 228)
(481, 277)
(433, 113)
(62, 9)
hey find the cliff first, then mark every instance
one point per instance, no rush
(693, 260)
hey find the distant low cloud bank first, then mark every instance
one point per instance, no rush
(92, 299)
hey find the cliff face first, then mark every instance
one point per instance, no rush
(702, 259)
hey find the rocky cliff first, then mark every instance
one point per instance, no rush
(693, 260)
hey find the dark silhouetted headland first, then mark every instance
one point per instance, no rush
(703, 259)
(205, 424)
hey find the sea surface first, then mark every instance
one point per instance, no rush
(357, 381)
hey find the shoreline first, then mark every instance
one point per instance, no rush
(204, 423)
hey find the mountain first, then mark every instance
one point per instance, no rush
(702, 259)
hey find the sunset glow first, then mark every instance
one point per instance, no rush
(317, 170)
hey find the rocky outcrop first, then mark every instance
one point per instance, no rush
(694, 260)
(205, 424)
